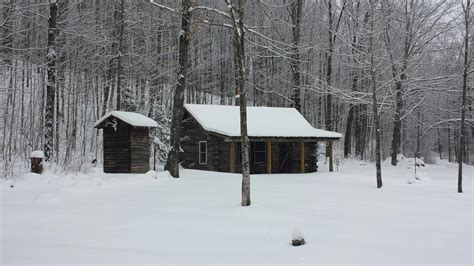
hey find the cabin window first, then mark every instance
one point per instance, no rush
(259, 152)
(202, 152)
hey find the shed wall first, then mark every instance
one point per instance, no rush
(116, 149)
(139, 150)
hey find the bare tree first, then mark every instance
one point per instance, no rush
(236, 12)
(51, 83)
(172, 165)
(120, 16)
(467, 8)
(332, 33)
(373, 78)
(296, 7)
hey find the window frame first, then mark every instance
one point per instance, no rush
(202, 152)
(264, 151)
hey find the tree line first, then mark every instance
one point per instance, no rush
(392, 76)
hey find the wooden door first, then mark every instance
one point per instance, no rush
(285, 158)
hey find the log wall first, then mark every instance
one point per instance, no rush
(219, 148)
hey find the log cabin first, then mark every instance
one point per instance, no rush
(281, 140)
(126, 143)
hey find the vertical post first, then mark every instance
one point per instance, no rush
(154, 156)
(302, 157)
(232, 157)
(269, 157)
(331, 163)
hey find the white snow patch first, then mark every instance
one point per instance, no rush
(99, 218)
(37, 154)
(261, 121)
(297, 234)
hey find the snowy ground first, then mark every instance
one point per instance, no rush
(99, 218)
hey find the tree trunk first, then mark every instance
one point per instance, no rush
(119, 56)
(350, 117)
(373, 77)
(51, 82)
(348, 133)
(467, 10)
(237, 17)
(296, 10)
(397, 124)
(172, 165)
(328, 117)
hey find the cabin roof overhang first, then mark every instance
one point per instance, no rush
(264, 123)
(130, 118)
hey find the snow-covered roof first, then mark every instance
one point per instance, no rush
(133, 119)
(261, 121)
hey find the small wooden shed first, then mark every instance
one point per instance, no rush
(281, 140)
(126, 143)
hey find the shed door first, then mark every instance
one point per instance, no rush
(117, 149)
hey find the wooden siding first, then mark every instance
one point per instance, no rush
(126, 148)
(139, 150)
(117, 149)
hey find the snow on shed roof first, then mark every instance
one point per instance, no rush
(133, 119)
(261, 121)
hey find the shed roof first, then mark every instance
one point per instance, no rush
(133, 119)
(261, 122)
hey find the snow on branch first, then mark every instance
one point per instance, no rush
(446, 121)
(210, 9)
(164, 7)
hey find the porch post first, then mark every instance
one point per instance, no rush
(269, 157)
(302, 157)
(331, 164)
(232, 157)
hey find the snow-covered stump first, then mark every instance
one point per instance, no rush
(37, 162)
(297, 237)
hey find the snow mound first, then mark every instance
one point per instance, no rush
(152, 174)
(419, 178)
(447, 164)
(297, 234)
(406, 162)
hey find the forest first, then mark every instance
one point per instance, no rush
(393, 76)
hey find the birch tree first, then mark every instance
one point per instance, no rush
(236, 12)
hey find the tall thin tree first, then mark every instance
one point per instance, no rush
(51, 80)
(373, 78)
(172, 164)
(467, 8)
(236, 13)
(296, 7)
(121, 24)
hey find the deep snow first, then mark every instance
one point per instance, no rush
(153, 218)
